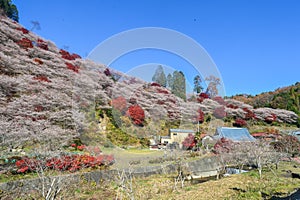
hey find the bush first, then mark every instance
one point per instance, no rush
(72, 67)
(189, 142)
(70, 163)
(220, 100)
(42, 44)
(240, 123)
(66, 55)
(23, 30)
(220, 112)
(42, 78)
(137, 114)
(25, 43)
(200, 116)
(271, 118)
(119, 104)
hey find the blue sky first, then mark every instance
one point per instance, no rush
(255, 44)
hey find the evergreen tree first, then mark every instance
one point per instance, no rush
(170, 80)
(9, 9)
(159, 76)
(197, 84)
(179, 88)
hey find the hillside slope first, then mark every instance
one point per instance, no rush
(283, 98)
(49, 96)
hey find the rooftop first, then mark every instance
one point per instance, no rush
(182, 131)
(234, 134)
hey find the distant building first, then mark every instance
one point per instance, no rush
(234, 134)
(176, 136)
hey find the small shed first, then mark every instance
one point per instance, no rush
(234, 134)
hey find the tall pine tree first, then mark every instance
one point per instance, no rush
(179, 87)
(9, 9)
(159, 76)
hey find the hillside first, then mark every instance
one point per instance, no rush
(50, 97)
(283, 98)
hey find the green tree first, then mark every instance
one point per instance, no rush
(179, 88)
(197, 84)
(9, 9)
(170, 80)
(159, 76)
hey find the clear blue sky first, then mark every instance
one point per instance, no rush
(254, 43)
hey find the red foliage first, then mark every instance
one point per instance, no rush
(38, 108)
(70, 66)
(155, 84)
(66, 55)
(25, 43)
(42, 78)
(271, 118)
(81, 147)
(73, 145)
(42, 44)
(24, 30)
(37, 60)
(189, 142)
(200, 116)
(232, 106)
(220, 100)
(162, 91)
(71, 163)
(137, 114)
(119, 104)
(223, 145)
(204, 95)
(249, 114)
(160, 102)
(220, 112)
(239, 123)
(107, 72)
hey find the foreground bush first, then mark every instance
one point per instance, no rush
(70, 163)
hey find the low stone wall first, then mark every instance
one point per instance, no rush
(203, 167)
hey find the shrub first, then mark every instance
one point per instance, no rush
(220, 100)
(24, 30)
(72, 67)
(200, 116)
(42, 78)
(220, 112)
(249, 114)
(240, 123)
(42, 44)
(66, 55)
(70, 163)
(137, 114)
(204, 95)
(232, 106)
(162, 91)
(271, 118)
(107, 72)
(155, 84)
(223, 145)
(189, 142)
(39, 61)
(25, 43)
(119, 104)
(288, 144)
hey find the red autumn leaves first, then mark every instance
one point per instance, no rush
(134, 112)
(70, 163)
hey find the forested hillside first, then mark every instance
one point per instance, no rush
(283, 98)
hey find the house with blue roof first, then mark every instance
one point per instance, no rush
(234, 134)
